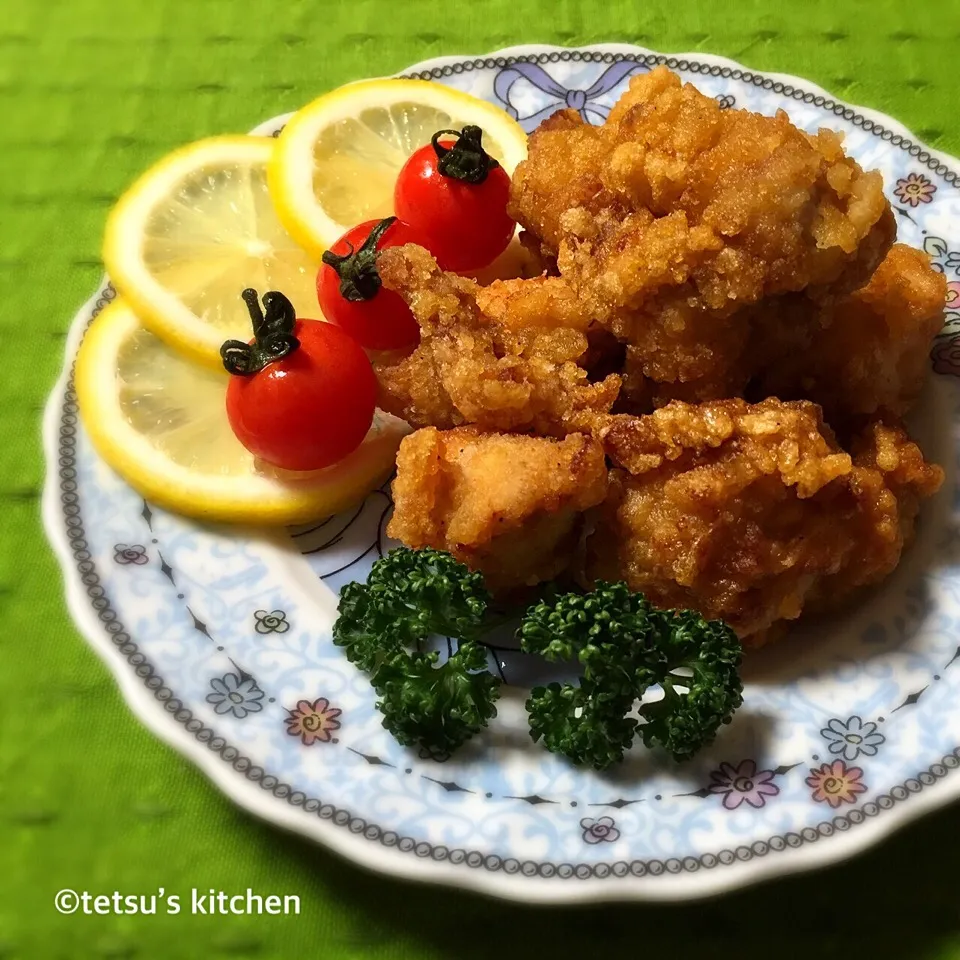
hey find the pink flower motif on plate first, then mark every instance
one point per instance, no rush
(313, 722)
(914, 190)
(836, 783)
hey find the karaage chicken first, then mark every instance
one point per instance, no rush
(706, 274)
(477, 367)
(509, 506)
(674, 215)
(749, 513)
(866, 354)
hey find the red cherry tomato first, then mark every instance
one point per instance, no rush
(309, 408)
(465, 223)
(349, 291)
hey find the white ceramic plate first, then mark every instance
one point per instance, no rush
(220, 639)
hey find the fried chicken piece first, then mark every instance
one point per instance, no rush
(758, 207)
(890, 479)
(793, 210)
(474, 366)
(751, 512)
(509, 506)
(674, 216)
(565, 160)
(864, 355)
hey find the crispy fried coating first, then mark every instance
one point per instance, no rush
(675, 216)
(509, 506)
(565, 161)
(864, 355)
(751, 512)
(755, 206)
(474, 366)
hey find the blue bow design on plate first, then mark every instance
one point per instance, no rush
(579, 100)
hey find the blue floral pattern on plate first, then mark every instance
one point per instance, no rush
(221, 642)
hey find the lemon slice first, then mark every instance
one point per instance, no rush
(161, 423)
(192, 233)
(337, 159)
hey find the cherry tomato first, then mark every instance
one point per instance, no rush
(456, 195)
(303, 392)
(349, 290)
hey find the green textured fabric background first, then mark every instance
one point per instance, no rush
(91, 92)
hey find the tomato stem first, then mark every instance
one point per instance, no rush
(357, 269)
(466, 160)
(272, 334)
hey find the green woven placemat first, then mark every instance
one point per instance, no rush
(92, 91)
